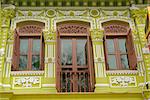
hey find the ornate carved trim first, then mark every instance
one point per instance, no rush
(17, 73)
(30, 29)
(122, 72)
(115, 29)
(72, 28)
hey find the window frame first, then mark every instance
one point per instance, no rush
(63, 34)
(30, 37)
(116, 53)
(120, 34)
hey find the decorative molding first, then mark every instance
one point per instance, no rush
(30, 29)
(72, 28)
(30, 18)
(72, 12)
(26, 82)
(74, 18)
(17, 73)
(121, 72)
(122, 81)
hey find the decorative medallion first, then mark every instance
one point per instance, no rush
(94, 12)
(51, 13)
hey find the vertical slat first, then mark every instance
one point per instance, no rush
(131, 52)
(15, 61)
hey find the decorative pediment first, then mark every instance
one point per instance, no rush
(30, 29)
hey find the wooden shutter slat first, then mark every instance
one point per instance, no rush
(91, 65)
(15, 58)
(58, 65)
(131, 51)
(42, 52)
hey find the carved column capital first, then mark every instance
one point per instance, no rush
(139, 15)
(97, 34)
(49, 36)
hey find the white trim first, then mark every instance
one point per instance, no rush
(118, 72)
(30, 18)
(5, 85)
(27, 73)
(48, 85)
(102, 85)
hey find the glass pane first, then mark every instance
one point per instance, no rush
(35, 62)
(23, 46)
(66, 52)
(81, 52)
(122, 45)
(112, 62)
(110, 45)
(23, 62)
(124, 62)
(36, 46)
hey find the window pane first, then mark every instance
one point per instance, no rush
(110, 45)
(112, 62)
(66, 52)
(36, 46)
(23, 46)
(124, 62)
(81, 52)
(122, 45)
(35, 62)
(23, 62)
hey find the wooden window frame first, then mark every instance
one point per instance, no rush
(30, 37)
(116, 53)
(127, 35)
(74, 37)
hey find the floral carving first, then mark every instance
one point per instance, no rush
(72, 29)
(30, 29)
(116, 29)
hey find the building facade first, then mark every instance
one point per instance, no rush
(67, 49)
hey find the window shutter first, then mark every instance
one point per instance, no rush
(58, 64)
(42, 52)
(131, 51)
(106, 53)
(15, 58)
(91, 65)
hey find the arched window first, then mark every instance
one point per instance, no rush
(119, 47)
(75, 68)
(28, 52)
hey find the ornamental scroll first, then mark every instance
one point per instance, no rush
(72, 28)
(30, 29)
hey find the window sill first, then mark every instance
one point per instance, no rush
(119, 72)
(16, 73)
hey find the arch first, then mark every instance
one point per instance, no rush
(74, 18)
(17, 20)
(110, 18)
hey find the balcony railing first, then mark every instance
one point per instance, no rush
(75, 81)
